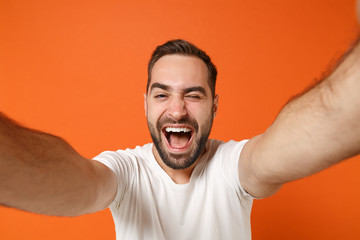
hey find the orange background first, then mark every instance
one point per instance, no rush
(78, 69)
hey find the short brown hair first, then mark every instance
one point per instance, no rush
(182, 47)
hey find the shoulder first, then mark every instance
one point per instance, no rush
(229, 148)
(224, 155)
(127, 153)
(128, 158)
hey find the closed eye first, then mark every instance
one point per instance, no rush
(193, 96)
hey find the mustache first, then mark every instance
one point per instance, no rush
(186, 121)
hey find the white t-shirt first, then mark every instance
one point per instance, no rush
(149, 205)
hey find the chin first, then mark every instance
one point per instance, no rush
(177, 160)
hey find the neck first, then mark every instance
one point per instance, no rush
(179, 176)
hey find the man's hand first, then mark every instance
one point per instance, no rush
(312, 132)
(41, 173)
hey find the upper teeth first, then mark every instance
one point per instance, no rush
(173, 129)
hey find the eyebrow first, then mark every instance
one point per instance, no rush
(159, 85)
(195, 89)
(186, 90)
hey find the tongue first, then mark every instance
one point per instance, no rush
(178, 140)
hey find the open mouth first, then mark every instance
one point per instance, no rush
(178, 138)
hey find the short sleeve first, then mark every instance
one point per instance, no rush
(229, 155)
(122, 165)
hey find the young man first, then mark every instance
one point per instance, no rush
(185, 186)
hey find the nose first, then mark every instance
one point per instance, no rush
(177, 108)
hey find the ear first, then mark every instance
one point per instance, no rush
(145, 104)
(215, 105)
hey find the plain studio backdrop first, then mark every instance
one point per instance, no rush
(77, 69)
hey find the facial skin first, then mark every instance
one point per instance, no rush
(179, 99)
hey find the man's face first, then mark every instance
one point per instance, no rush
(179, 109)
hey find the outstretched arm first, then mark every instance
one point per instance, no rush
(312, 132)
(41, 173)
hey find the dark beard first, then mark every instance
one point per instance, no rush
(181, 161)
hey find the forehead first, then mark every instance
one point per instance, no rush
(179, 71)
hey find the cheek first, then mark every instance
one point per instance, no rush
(154, 112)
(201, 114)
